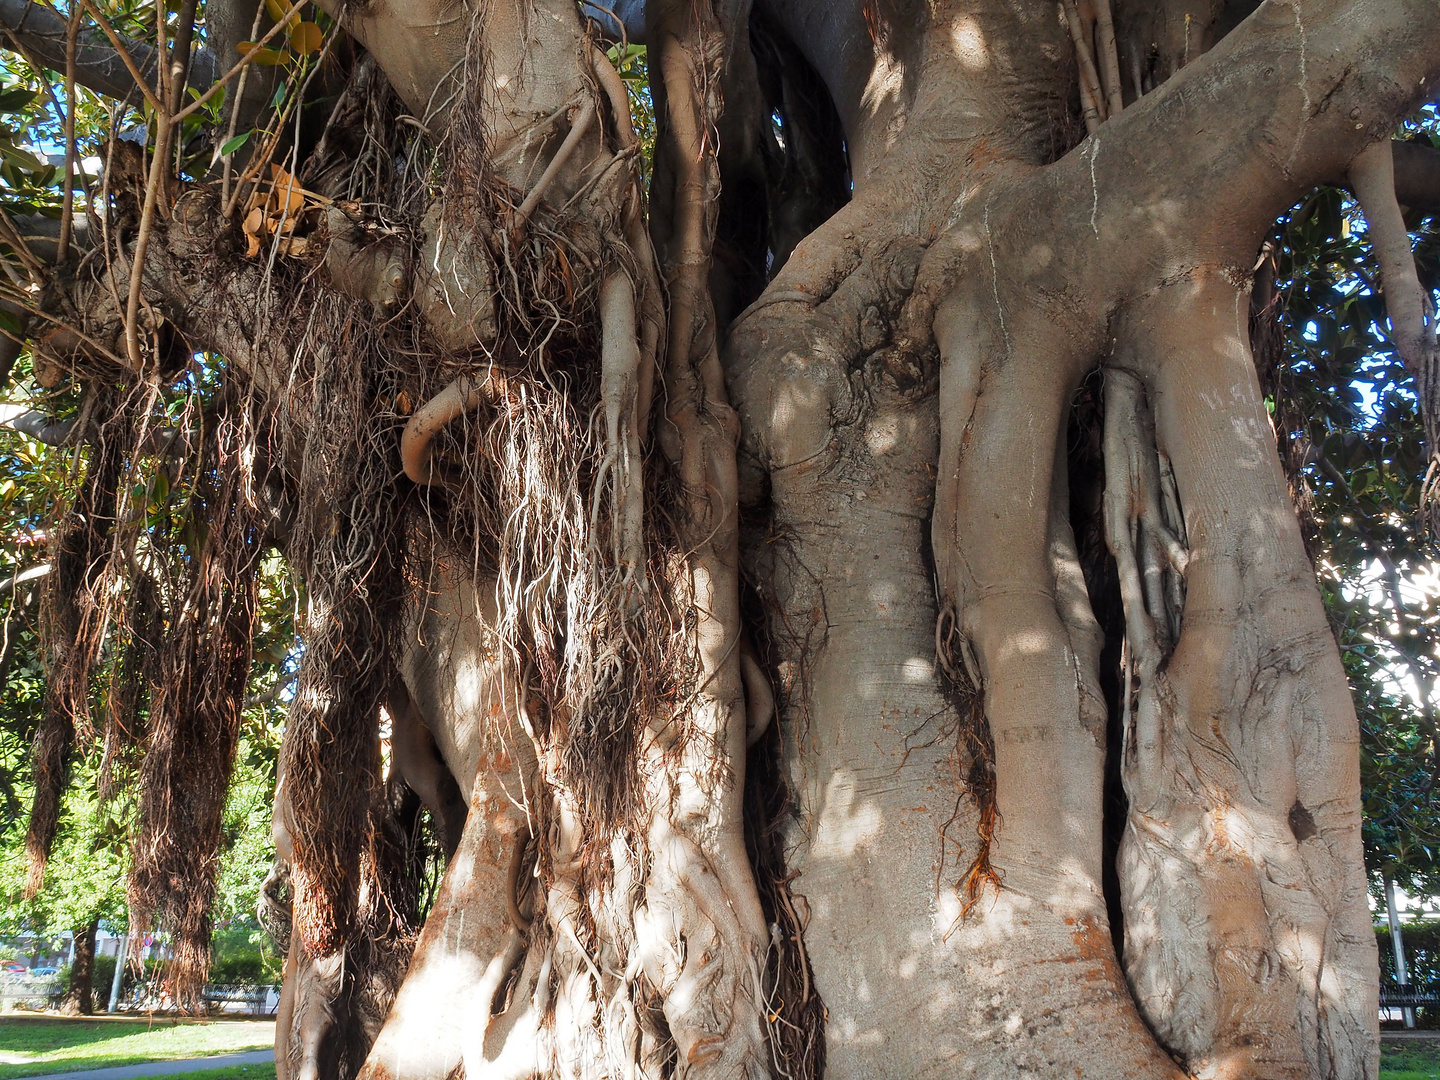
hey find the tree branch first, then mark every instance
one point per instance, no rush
(98, 64)
(37, 425)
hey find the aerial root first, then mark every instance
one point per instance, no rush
(1101, 96)
(583, 120)
(461, 396)
(620, 365)
(759, 697)
(1144, 532)
(514, 886)
(614, 88)
(1412, 316)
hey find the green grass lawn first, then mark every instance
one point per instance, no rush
(67, 1045)
(54, 1045)
(1412, 1061)
(234, 1072)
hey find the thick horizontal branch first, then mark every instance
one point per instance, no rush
(98, 65)
(36, 424)
(1250, 127)
(34, 573)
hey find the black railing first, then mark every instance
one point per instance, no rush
(247, 994)
(1411, 996)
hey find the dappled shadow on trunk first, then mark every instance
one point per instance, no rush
(1001, 732)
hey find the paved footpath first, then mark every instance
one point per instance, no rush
(164, 1068)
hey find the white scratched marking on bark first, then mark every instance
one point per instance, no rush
(1304, 90)
(1094, 187)
(1030, 426)
(995, 278)
(957, 208)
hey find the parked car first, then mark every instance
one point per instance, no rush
(45, 971)
(13, 968)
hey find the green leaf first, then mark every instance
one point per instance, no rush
(16, 100)
(231, 145)
(21, 157)
(10, 323)
(279, 98)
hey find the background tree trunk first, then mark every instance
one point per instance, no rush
(81, 997)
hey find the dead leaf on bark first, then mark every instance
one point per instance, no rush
(280, 207)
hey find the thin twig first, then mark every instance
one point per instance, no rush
(180, 73)
(39, 70)
(150, 97)
(235, 114)
(180, 56)
(22, 249)
(263, 157)
(153, 184)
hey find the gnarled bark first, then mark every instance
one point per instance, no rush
(591, 646)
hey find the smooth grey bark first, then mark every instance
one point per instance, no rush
(98, 66)
(1040, 266)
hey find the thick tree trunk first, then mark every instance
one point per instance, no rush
(584, 664)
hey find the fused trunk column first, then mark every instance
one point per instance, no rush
(1248, 934)
(1025, 305)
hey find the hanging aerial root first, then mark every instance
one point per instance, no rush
(759, 695)
(1101, 96)
(584, 118)
(1412, 315)
(345, 541)
(50, 754)
(961, 682)
(131, 676)
(461, 396)
(1139, 529)
(75, 616)
(203, 671)
(620, 360)
(515, 883)
(1144, 532)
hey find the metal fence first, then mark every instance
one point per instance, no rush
(25, 991)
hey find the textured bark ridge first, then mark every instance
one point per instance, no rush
(712, 548)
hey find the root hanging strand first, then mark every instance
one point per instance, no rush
(1412, 316)
(75, 616)
(1150, 560)
(203, 671)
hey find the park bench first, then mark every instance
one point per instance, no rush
(251, 995)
